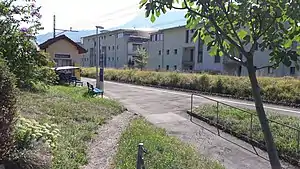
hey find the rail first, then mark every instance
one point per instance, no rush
(252, 115)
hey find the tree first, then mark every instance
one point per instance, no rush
(17, 43)
(237, 27)
(7, 111)
(141, 59)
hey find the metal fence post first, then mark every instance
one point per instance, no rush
(251, 126)
(298, 141)
(140, 160)
(192, 100)
(218, 117)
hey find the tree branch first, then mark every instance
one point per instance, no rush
(162, 3)
(228, 55)
(231, 25)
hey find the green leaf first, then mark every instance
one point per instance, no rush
(287, 62)
(163, 10)
(213, 51)
(152, 19)
(288, 43)
(242, 34)
(157, 13)
(195, 36)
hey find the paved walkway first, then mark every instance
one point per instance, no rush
(167, 110)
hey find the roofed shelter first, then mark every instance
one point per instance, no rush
(64, 51)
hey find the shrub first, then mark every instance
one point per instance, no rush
(284, 89)
(7, 110)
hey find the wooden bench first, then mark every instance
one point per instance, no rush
(93, 90)
(74, 80)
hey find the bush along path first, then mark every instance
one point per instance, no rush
(284, 91)
(238, 123)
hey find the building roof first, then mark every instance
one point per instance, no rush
(62, 37)
(161, 30)
(122, 30)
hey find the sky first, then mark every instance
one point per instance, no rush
(86, 14)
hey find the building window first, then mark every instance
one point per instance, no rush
(187, 36)
(167, 67)
(113, 47)
(117, 46)
(120, 35)
(112, 58)
(159, 52)
(108, 47)
(158, 66)
(292, 70)
(155, 37)
(192, 55)
(168, 51)
(217, 59)
(175, 51)
(256, 46)
(108, 58)
(200, 51)
(117, 58)
(135, 47)
(175, 67)
(161, 36)
(62, 56)
(270, 70)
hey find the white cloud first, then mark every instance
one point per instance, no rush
(86, 14)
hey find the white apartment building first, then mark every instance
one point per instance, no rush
(173, 49)
(117, 47)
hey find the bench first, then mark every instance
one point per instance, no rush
(93, 90)
(75, 81)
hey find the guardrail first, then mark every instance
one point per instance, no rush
(252, 115)
(140, 164)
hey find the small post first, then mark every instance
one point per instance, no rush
(139, 156)
(191, 117)
(251, 126)
(298, 141)
(218, 118)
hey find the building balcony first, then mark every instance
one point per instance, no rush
(188, 62)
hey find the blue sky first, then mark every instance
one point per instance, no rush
(86, 14)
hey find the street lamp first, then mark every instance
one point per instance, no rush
(99, 82)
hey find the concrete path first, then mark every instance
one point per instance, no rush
(167, 109)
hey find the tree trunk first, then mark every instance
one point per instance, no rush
(271, 148)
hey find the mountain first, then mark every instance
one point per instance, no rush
(170, 19)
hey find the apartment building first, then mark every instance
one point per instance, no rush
(173, 49)
(117, 46)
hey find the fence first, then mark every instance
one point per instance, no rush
(140, 159)
(245, 125)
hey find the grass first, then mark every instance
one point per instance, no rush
(164, 152)
(77, 115)
(239, 122)
(285, 90)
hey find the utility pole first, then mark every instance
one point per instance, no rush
(62, 30)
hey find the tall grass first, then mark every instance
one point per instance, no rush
(77, 115)
(277, 90)
(164, 152)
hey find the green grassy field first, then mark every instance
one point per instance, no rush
(239, 122)
(77, 116)
(164, 152)
(284, 90)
